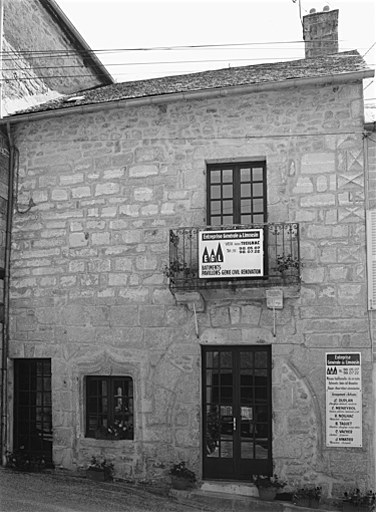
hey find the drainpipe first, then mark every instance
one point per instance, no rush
(1, 55)
(5, 340)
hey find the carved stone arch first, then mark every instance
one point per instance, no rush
(297, 429)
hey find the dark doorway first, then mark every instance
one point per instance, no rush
(33, 408)
(237, 426)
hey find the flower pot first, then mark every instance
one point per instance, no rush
(307, 502)
(99, 475)
(352, 507)
(180, 483)
(267, 493)
(95, 474)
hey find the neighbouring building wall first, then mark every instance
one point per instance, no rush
(88, 288)
(4, 182)
(41, 60)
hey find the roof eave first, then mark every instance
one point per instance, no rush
(189, 95)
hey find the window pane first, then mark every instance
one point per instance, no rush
(246, 360)
(246, 219)
(215, 207)
(215, 176)
(245, 174)
(257, 174)
(258, 205)
(216, 221)
(227, 221)
(258, 189)
(215, 192)
(246, 205)
(227, 191)
(258, 219)
(245, 190)
(228, 207)
(227, 176)
(261, 360)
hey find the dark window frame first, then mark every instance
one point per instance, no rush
(109, 415)
(223, 187)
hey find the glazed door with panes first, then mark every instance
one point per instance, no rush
(32, 433)
(237, 416)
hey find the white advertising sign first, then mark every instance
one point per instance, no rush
(343, 400)
(231, 254)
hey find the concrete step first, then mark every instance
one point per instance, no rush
(235, 497)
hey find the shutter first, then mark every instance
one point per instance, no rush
(371, 258)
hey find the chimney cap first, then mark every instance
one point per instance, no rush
(312, 11)
(326, 8)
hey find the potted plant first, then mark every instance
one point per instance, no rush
(267, 486)
(182, 477)
(288, 263)
(357, 501)
(22, 461)
(178, 270)
(308, 496)
(99, 471)
(118, 430)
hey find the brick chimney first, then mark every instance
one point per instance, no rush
(320, 32)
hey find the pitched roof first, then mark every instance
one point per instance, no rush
(336, 65)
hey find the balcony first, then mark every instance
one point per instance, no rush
(274, 262)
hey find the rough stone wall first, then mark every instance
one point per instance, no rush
(23, 87)
(88, 288)
(47, 72)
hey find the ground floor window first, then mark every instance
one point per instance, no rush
(109, 407)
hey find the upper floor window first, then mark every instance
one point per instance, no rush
(109, 407)
(236, 193)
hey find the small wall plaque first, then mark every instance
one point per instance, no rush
(274, 298)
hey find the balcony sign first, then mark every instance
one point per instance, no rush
(231, 254)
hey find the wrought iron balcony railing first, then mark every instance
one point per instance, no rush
(279, 257)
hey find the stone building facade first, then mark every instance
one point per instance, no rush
(91, 302)
(89, 290)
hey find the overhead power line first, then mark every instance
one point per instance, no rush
(221, 46)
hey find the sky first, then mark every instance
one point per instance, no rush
(138, 39)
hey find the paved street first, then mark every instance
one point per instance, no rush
(45, 492)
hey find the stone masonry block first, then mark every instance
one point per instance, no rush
(318, 163)
(143, 194)
(118, 279)
(77, 240)
(79, 192)
(107, 189)
(100, 238)
(59, 194)
(142, 171)
(318, 200)
(72, 179)
(304, 185)
(152, 316)
(351, 293)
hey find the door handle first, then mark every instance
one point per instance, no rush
(234, 424)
